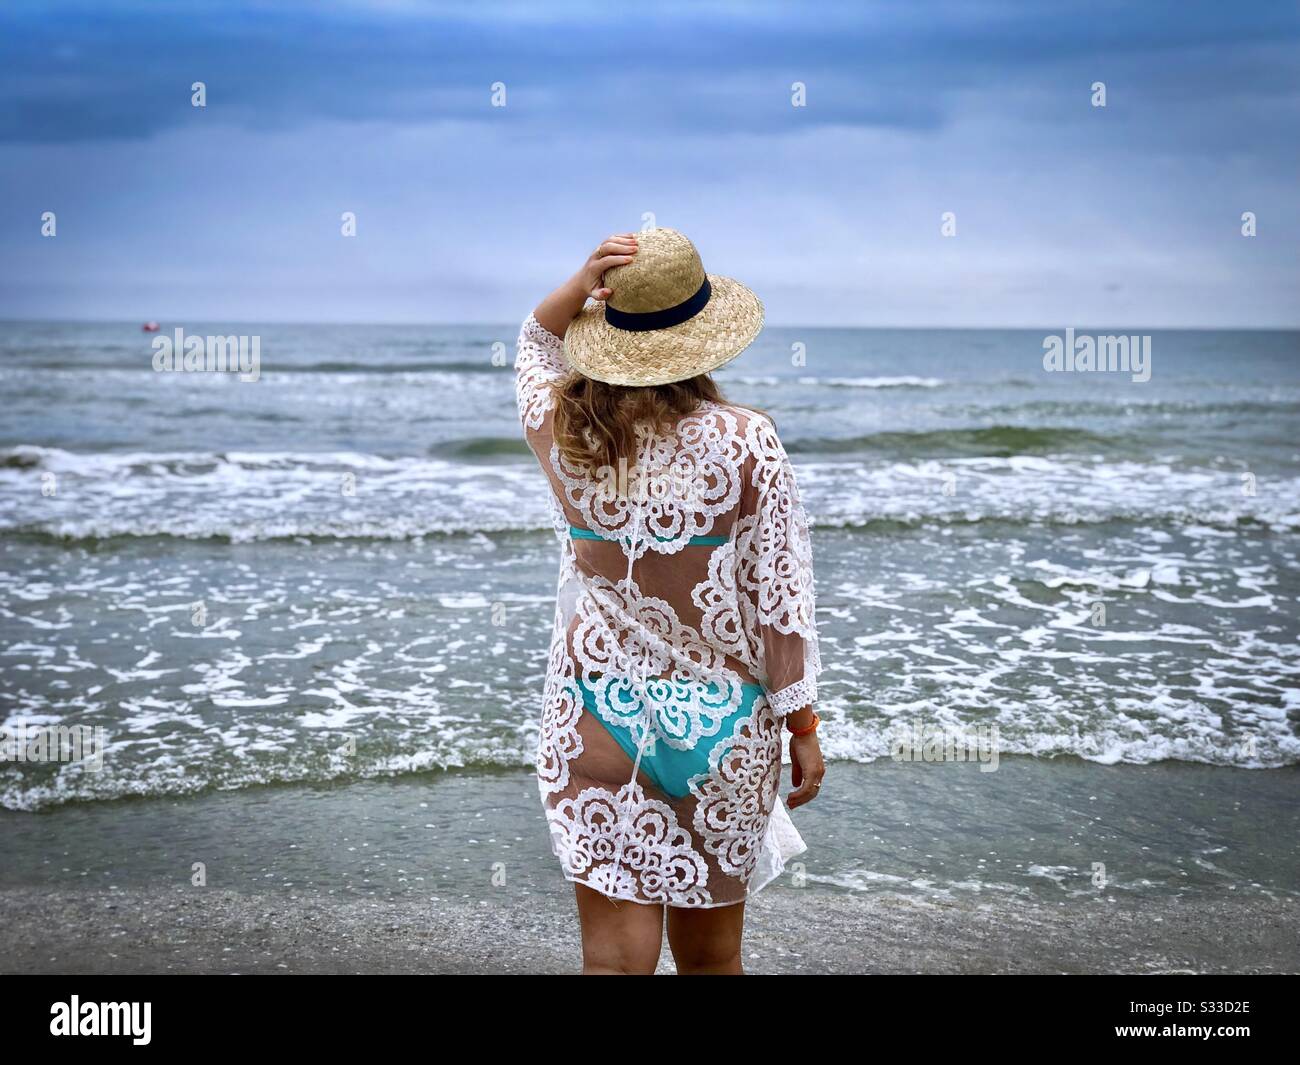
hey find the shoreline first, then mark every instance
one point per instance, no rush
(910, 869)
(198, 930)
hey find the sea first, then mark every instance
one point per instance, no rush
(310, 613)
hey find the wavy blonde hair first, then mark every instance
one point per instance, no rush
(595, 423)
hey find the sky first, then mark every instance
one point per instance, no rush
(676, 114)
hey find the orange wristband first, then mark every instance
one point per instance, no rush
(807, 728)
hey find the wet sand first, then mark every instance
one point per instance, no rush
(909, 869)
(197, 930)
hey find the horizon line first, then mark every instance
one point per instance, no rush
(1114, 328)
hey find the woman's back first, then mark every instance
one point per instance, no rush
(684, 632)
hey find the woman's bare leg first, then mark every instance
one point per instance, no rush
(706, 942)
(618, 938)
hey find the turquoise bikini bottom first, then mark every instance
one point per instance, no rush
(670, 769)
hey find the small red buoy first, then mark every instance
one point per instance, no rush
(150, 327)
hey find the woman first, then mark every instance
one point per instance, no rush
(684, 631)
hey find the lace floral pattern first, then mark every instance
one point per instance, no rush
(560, 743)
(643, 855)
(698, 462)
(773, 547)
(720, 608)
(667, 622)
(794, 696)
(540, 361)
(651, 672)
(733, 801)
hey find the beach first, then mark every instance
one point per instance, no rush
(451, 873)
(99, 932)
(97, 908)
(310, 616)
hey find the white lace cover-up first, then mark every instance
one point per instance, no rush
(684, 633)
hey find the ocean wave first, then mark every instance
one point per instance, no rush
(1080, 407)
(193, 767)
(1220, 520)
(179, 778)
(187, 463)
(1160, 727)
(246, 496)
(999, 441)
(906, 381)
(397, 529)
(483, 447)
(775, 381)
(329, 366)
(348, 366)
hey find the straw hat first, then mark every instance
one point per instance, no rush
(666, 320)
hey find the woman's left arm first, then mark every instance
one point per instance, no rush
(774, 569)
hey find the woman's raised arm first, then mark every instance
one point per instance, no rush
(539, 352)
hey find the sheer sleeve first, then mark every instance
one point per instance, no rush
(539, 360)
(774, 575)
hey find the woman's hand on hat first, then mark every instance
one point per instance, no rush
(560, 308)
(617, 250)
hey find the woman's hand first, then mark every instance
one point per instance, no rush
(617, 250)
(560, 308)
(807, 769)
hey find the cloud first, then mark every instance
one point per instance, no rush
(467, 212)
(83, 72)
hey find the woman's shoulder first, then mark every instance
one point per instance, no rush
(747, 435)
(756, 427)
(743, 420)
